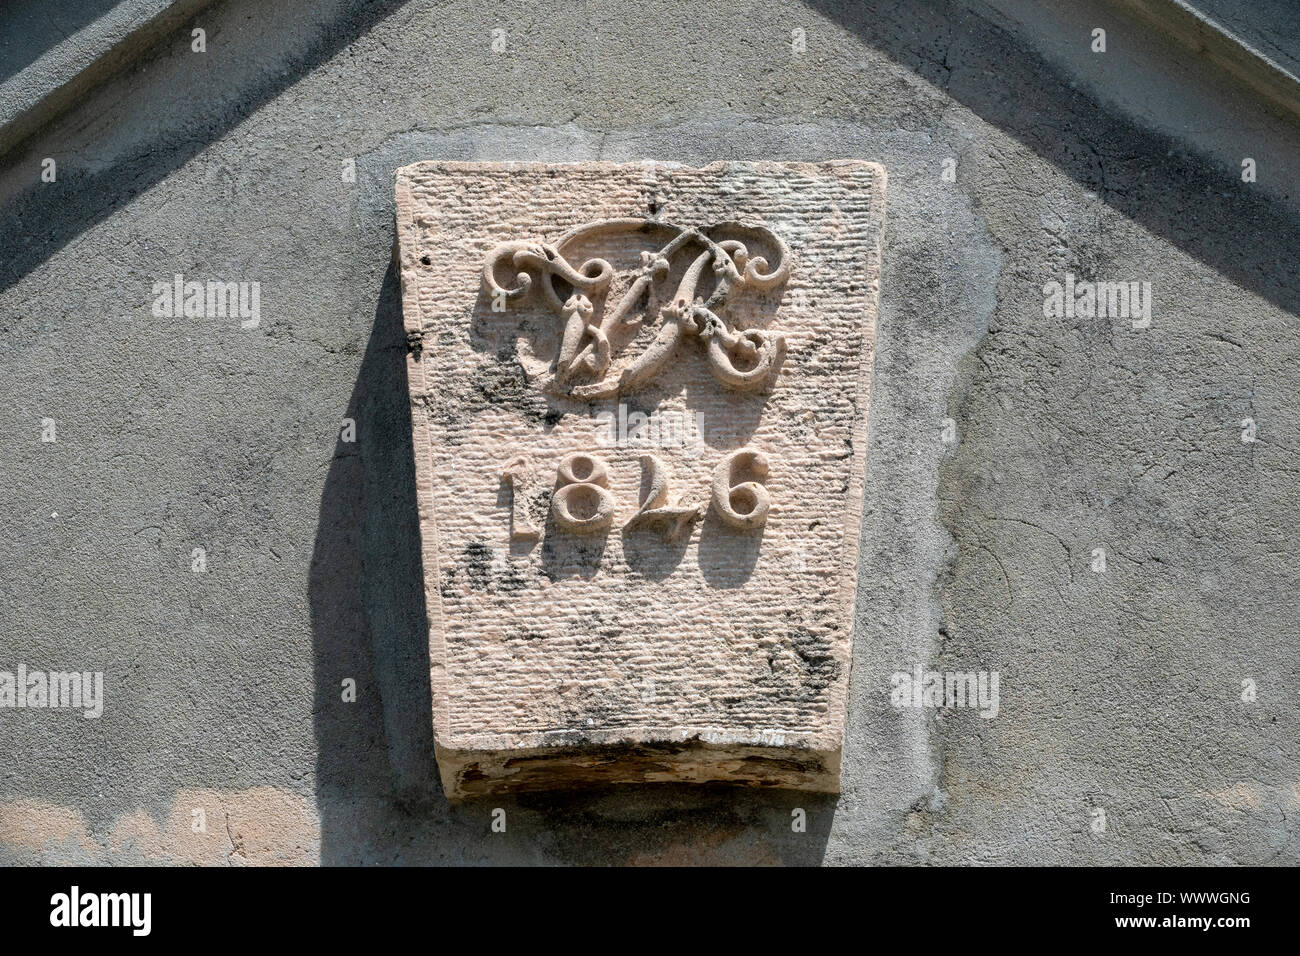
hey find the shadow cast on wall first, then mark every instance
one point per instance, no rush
(1185, 198)
(38, 220)
(31, 28)
(367, 591)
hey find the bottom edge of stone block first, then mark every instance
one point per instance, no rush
(467, 774)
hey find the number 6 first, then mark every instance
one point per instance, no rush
(743, 505)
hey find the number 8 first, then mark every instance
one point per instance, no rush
(582, 503)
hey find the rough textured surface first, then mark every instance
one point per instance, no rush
(53, 54)
(1271, 26)
(571, 656)
(1120, 691)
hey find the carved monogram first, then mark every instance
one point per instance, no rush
(742, 360)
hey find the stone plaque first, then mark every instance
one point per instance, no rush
(639, 396)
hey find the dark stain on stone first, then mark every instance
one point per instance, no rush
(478, 565)
(594, 766)
(788, 764)
(821, 669)
(511, 580)
(491, 384)
(506, 384)
(485, 575)
(415, 344)
(540, 501)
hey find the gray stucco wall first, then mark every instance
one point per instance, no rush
(1120, 691)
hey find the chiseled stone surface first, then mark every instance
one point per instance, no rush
(640, 400)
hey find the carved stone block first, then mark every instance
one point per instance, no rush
(639, 403)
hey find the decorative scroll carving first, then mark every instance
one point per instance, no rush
(742, 360)
(655, 512)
